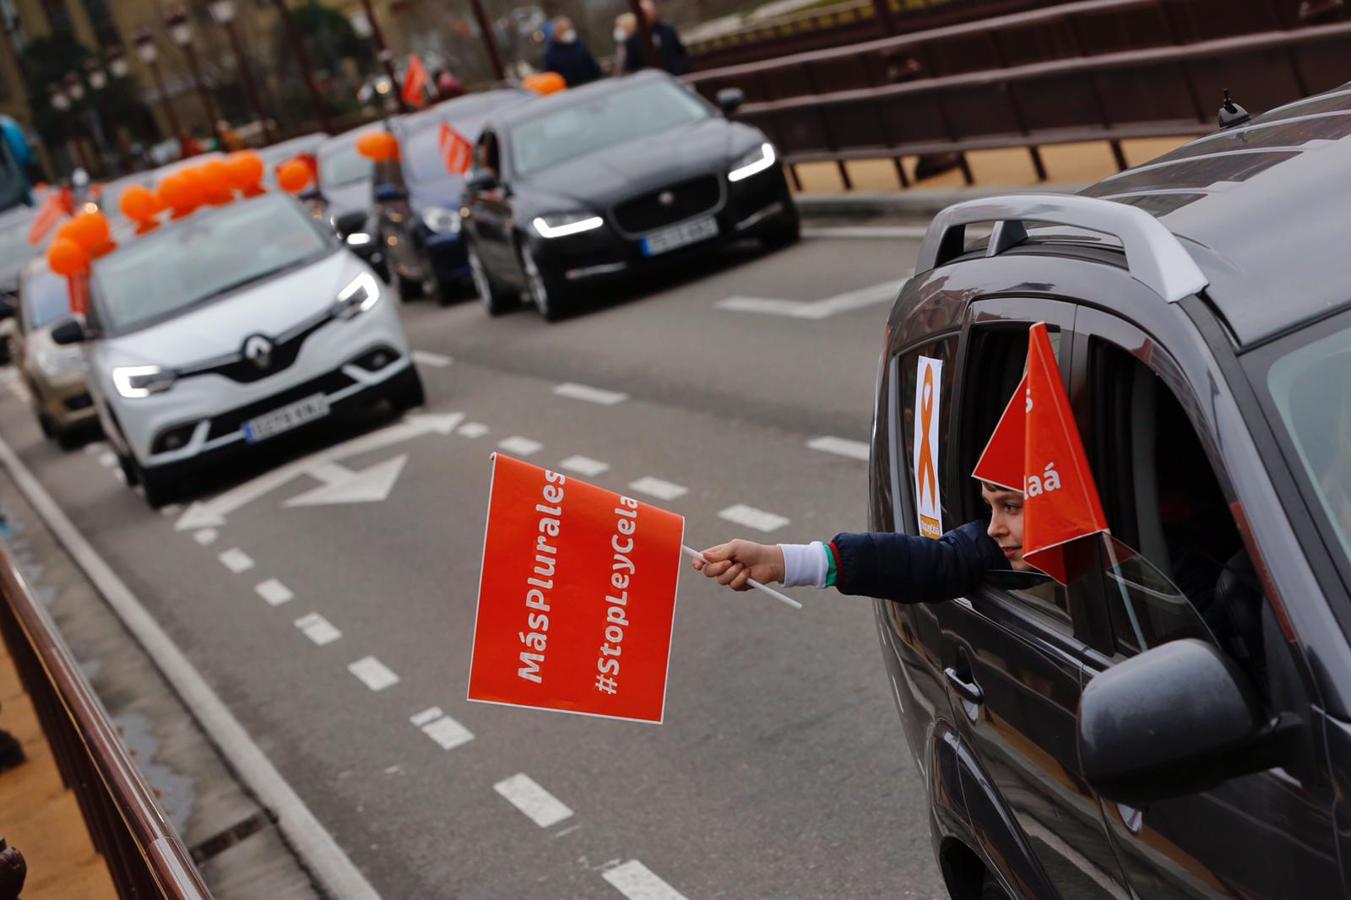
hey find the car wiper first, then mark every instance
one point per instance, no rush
(252, 279)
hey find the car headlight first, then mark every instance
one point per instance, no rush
(441, 220)
(361, 294)
(556, 225)
(141, 381)
(753, 163)
(57, 361)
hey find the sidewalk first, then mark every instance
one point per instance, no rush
(877, 191)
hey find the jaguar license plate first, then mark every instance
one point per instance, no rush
(292, 415)
(682, 235)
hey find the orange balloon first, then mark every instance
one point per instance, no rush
(90, 231)
(544, 83)
(180, 192)
(138, 204)
(246, 172)
(294, 176)
(65, 257)
(216, 180)
(66, 232)
(378, 146)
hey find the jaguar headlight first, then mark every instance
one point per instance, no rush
(361, 294)
(441, 220)
(557, 225)
(753, 163)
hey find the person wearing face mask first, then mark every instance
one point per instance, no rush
(671, 52)
(569, 57)
(625, 26)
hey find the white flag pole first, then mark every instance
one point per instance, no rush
(782, 598)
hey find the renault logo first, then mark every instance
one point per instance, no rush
(258, 351)
(666, 198)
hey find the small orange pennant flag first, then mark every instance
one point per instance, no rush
(48, 215)
(456, 151)
(1001, 463)
(1061, 501)
(415, 82)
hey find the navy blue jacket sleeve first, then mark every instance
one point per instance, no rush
(913, 569)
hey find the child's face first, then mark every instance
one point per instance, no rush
(1006, 522)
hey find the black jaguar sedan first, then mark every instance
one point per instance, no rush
(606, 180)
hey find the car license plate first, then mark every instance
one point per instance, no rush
(293, 415)
(681, 235)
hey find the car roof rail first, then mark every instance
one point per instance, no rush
(1154, 255)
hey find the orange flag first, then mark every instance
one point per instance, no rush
(456, 150)
(48, 215)
(415, 83)
(1036, 448)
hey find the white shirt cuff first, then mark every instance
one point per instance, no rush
(805, 565)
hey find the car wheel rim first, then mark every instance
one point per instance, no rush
(480, 279)
(538, 292)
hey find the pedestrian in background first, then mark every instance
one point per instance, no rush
(626, 25)
(569, 57)
(671, 53)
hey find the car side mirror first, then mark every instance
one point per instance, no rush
(69, 332)
(730, 100)
(480, 180)
(386, 192)
(1177, 719)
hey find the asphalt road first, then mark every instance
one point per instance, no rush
(780, 770)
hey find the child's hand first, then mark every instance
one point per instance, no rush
(736, 562)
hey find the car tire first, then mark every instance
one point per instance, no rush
(495, 300)
(782, 234)
(48, 429)
(159, 490)
(544, 290)
(67, 438)
(129, 470)
(990, 889)
(408, 393)
(409, 289)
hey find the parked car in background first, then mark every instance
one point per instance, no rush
(15, 255)
(225, 329)
(1176, 721)
(610, 179)
(274, 155)
(418, 198)
(110, 194)
(52, 372)
(344, 196)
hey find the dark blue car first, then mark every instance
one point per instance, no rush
(417, 197)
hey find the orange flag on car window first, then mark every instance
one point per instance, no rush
(415, 82)
(1036, 448)
(456, 150)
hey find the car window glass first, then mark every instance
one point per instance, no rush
(45, 298)
(995, 362)
(1176, 565)
(608, 119)
(205, 256)
(341, 165)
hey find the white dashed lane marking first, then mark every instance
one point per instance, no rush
(662, 490)
(637, 882)
(584, 465)
(321, 631)
(543, 808)
(441, 728)
(107, 459)
(95, 448)
(236, 560)
(274, 592)
(816, 309)
(840, 447)
(373, 673)
(741, 514)
(205, 536)
(522, 446)
(590, 394)
(473, 429)
(435, 360)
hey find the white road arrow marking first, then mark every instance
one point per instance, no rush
(212, 513)
(342, 485)
(816, 309)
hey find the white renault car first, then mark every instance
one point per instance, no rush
(228, 328)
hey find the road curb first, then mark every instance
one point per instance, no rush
(905, 204)
(316, 848)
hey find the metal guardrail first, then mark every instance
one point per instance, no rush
(1159, 92)
(143, 853)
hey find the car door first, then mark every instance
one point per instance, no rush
(491, 212)
(1012, 653)
(1168, 497)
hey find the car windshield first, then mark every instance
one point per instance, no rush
(421, 151)
(46, 298)
(341, 165)
(206, 256)
(14, 247)
(1311, 389)
(606, 120)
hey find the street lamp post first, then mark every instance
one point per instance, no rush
(117, 66)
(485, 29)
(75, 93)
(147, 50)
(303, 60)
(180, 30)
(61, 102)
(223, 12)
(382, 53)
(98, 80)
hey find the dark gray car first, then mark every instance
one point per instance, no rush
(1176, 722)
